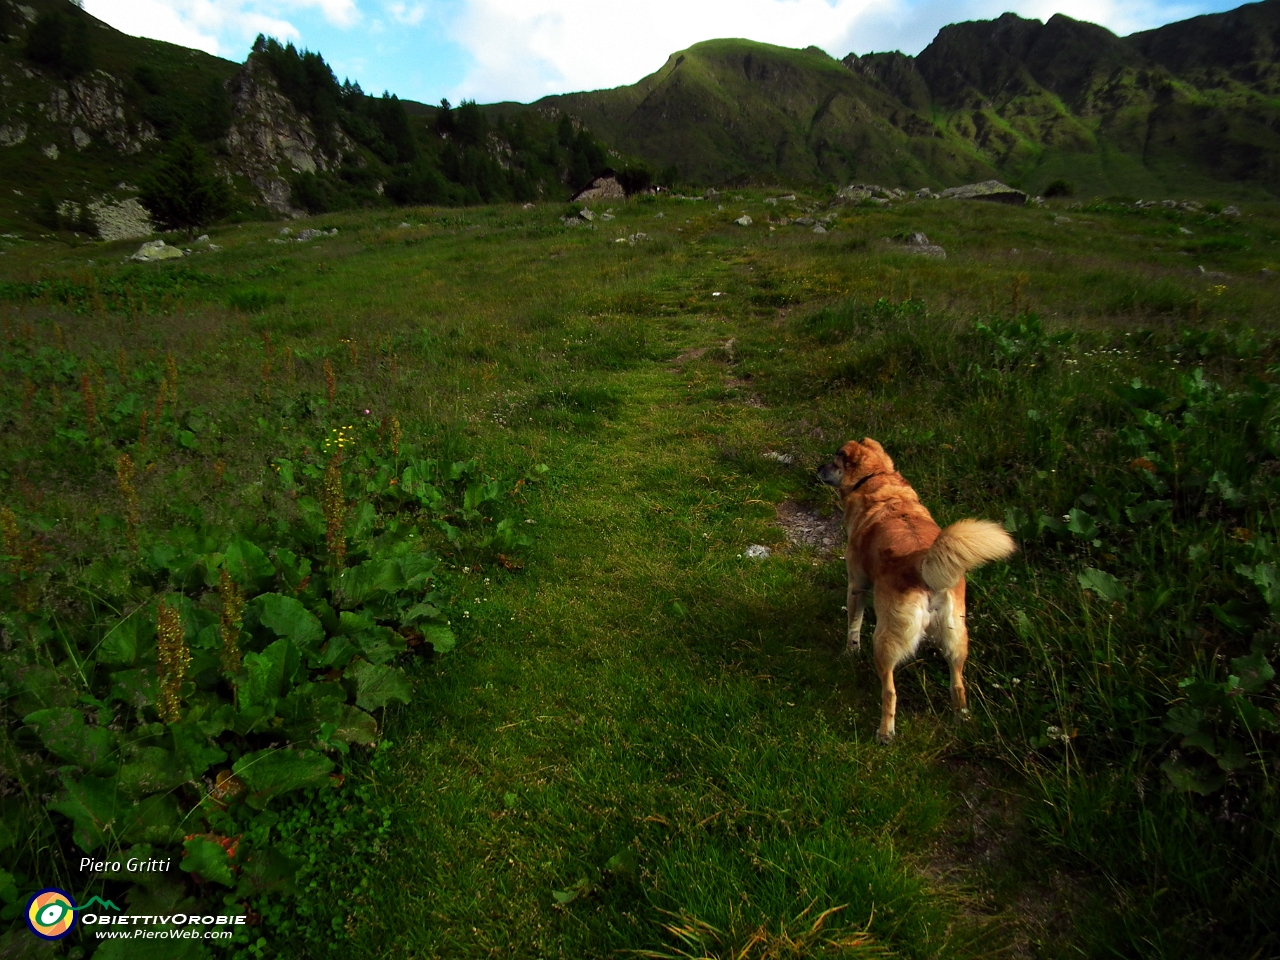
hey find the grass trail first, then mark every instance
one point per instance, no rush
(647, 729)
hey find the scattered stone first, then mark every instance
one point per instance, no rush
(80, 138)
(918, 243)
(51, 151)
(806, 527)
(785, 459)
(586, 214)
(285, 232)
(924, 193)
(214, 248)
(1231, 211)
(659, 215)
(804, 221)
(309, 234)
(11, 136)
(819, 229)
(709, 193)
(757, 552)
(601, 188)
(1211, 274)
(772, 201)
(790, 197)
(990, 190)
(203, 238)
(404, 225)
(156, 250)
(1061, 219)
(743, 221)
(527, 206)
(1184, 230)
(606, 216)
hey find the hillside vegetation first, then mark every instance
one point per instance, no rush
(395, 584)
(1185, 109)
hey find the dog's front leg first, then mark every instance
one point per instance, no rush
(856, 605)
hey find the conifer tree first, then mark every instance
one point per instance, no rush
(184, 191)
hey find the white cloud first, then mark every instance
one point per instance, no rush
(221, 27)
(524, 49)
(408, 14)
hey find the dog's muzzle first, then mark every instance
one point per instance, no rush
(831, 474)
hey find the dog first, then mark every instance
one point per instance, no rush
(916, 568)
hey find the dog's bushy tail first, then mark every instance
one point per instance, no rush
(961, 547)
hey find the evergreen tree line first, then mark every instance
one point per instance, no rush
(57, 42)
(460, 156)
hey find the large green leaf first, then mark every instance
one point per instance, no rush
(376, 684)
(246, 563)
(94, 805)
(267, 870)
(267, 675)
(124, 641)
(151, 770)
(370, 579)
(269, 773)
(209, 859)
(441, 639)
(355, 726)
(1189, 778)
(137, 688)
(289, 618)
(63, 732)
(1103, 584)
(380, 644)
(156, 819)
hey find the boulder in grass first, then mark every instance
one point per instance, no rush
(743, 221)
(601, 188)
(157, 250)
(991, 190)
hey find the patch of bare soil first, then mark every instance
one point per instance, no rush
(990, 857)
(806, 527)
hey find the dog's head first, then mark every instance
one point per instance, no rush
(854, 463)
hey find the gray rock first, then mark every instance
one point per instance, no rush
(126, 220)
(990, 190)
(601, 188)
(586, 214)
(918, 243)
(757, 552)
(743, 221)
(51, 151)
(819, 228)
(1231, 211)
(156, 250)
(306, 235)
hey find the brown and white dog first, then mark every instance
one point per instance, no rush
(917, 570)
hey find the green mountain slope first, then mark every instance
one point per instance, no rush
(1187, 108)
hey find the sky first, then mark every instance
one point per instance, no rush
(491, 50)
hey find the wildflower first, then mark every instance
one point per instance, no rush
(229, 621)
(124, 478)
(173, 659)
(334, 502)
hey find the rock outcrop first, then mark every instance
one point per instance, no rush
(126, 220)
(157, 250)
(601, 188)
(270, 139)
(992, 190)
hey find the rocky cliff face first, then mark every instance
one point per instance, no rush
(269, 139)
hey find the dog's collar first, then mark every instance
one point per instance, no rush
(865, 479)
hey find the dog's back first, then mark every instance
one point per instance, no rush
(916, 568)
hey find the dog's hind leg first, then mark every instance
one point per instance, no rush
(856, 604)
(949, 628)
(899, 629)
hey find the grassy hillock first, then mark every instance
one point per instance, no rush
(1184, 109)
(451, 518)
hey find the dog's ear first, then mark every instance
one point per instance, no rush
(884, 463)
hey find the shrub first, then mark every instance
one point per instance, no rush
(1060, 188)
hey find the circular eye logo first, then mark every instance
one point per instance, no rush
(51, 914)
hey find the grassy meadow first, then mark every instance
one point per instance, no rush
(447, 515)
